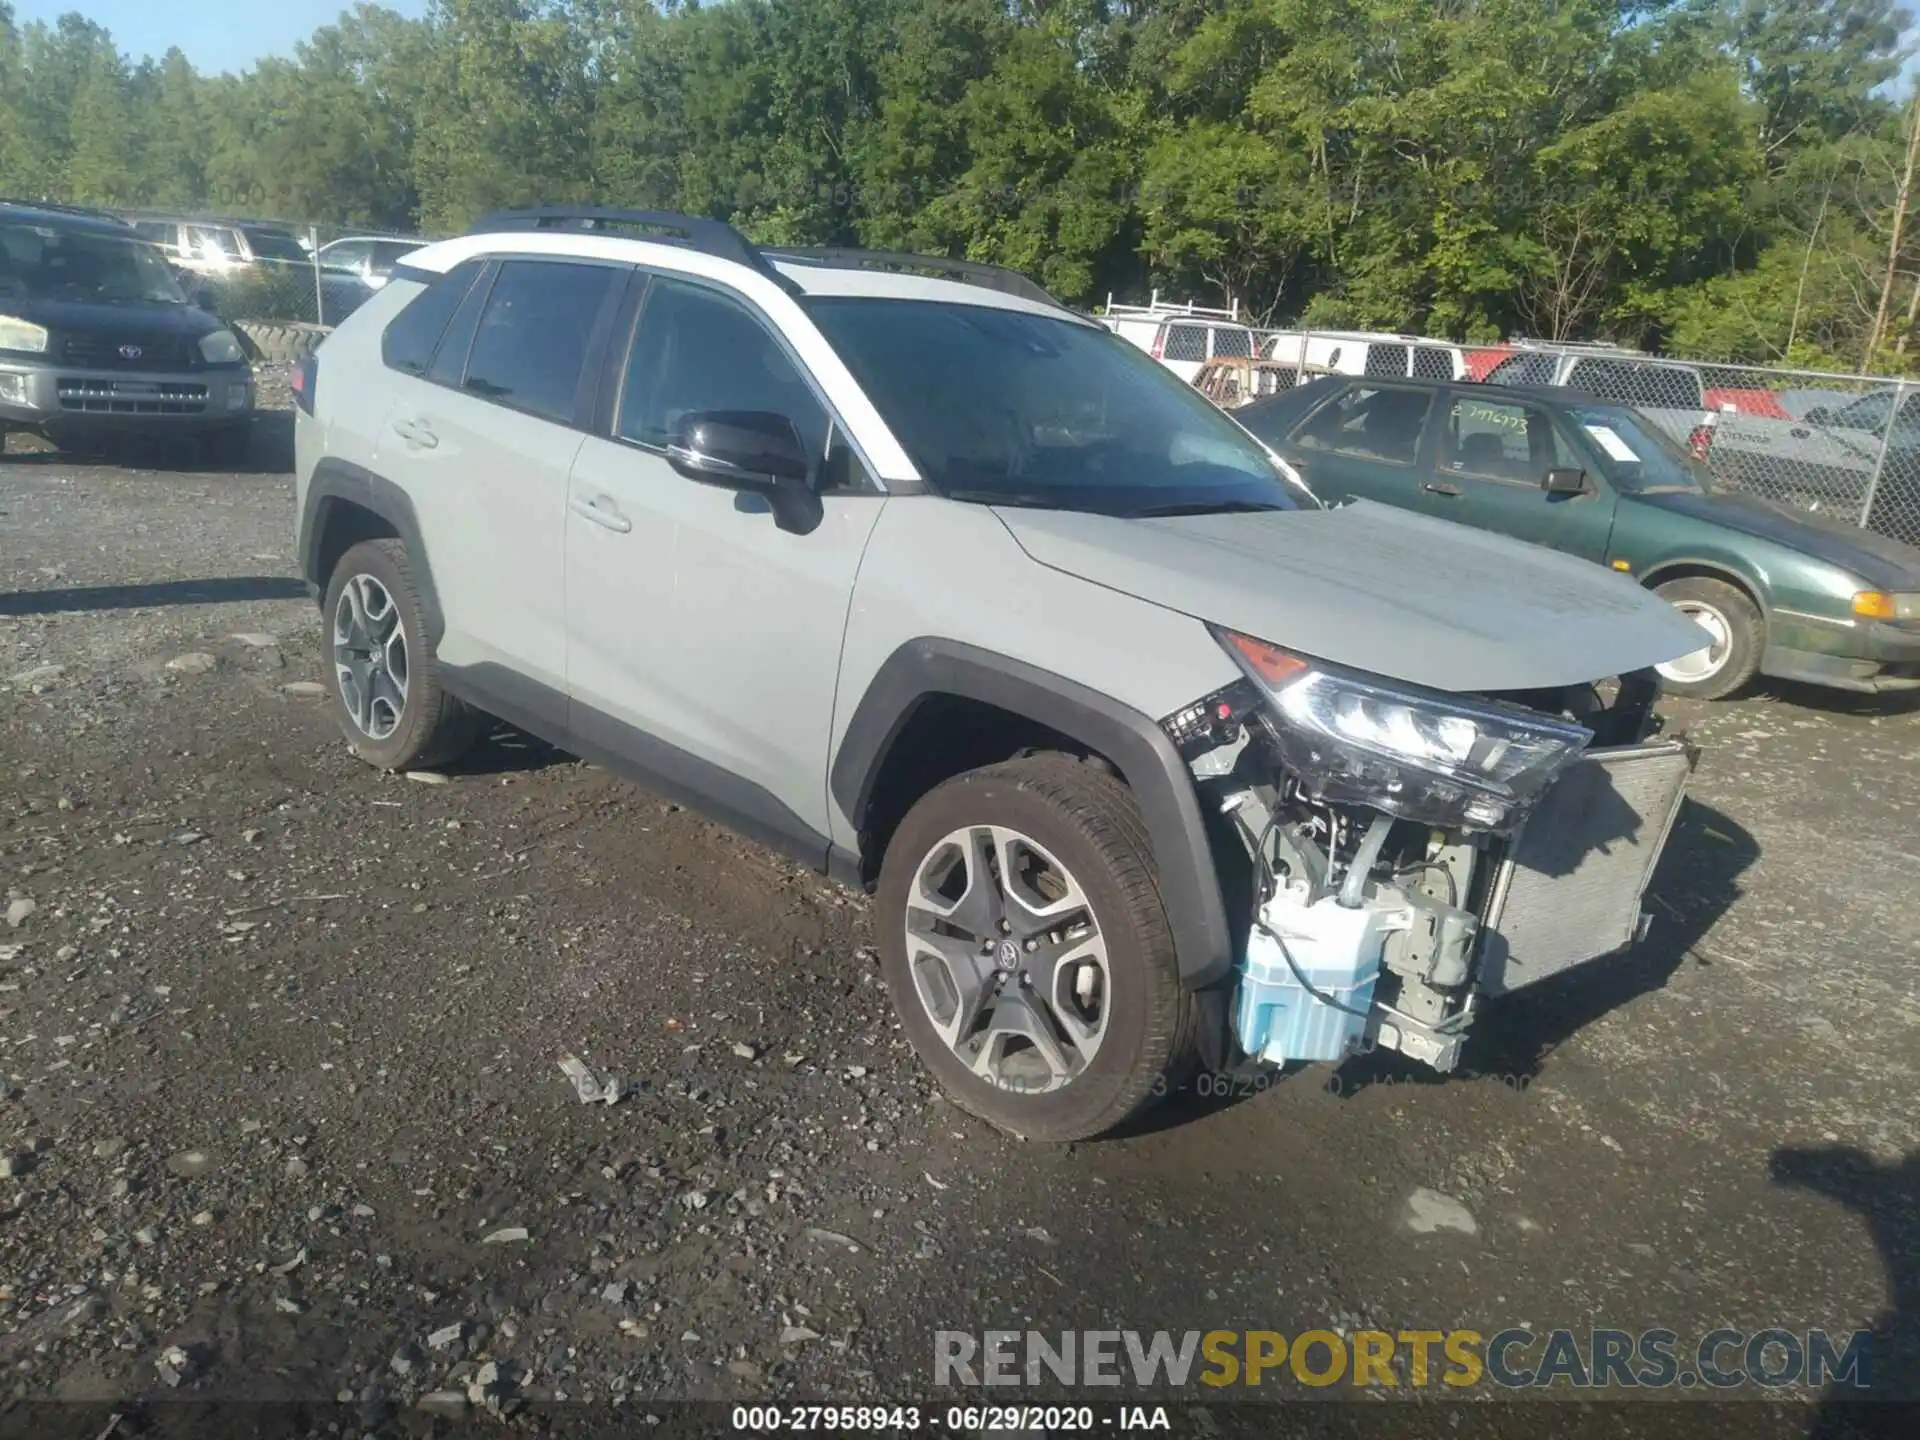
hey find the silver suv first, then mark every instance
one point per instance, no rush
(903, 568)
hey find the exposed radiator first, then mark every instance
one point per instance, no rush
(1571, 886)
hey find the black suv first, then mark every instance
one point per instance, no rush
(96, 335)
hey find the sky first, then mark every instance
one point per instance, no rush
(215, 35)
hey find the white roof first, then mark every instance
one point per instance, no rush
(813, 279)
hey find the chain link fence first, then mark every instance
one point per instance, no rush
(1846, 447)
(281, 285)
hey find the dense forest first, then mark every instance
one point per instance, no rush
(1725, 178)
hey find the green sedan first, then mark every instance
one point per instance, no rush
(1778, 592)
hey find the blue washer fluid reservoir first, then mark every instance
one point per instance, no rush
(1338, 950)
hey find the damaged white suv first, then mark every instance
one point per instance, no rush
(898, 565)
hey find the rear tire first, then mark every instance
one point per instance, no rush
(1058, 1024)
(1737, 638)
(387, 696)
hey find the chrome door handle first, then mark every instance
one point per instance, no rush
(601, 510)
(1441, 487)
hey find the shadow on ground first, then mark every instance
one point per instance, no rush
(218, 590)
(269, 451)
(1886, 1197)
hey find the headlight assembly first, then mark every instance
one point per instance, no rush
(22, 335)
(1420, 754)
(221, 347)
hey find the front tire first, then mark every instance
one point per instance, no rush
(387, 696)
(1027, 950)
(1736, 637)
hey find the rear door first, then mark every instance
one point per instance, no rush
(705, 639)
(1364, 444)
(484, 440)
(1492, 453)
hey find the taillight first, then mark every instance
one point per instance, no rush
(1159, 350)
(302, 382)
(1699, 441)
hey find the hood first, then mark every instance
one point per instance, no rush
(1377, 589)
(1883, 563)
(95, 317)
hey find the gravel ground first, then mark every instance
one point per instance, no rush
(283, 1117)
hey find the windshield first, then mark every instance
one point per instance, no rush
(49, 262)
(1007, 407)
(1635, 455)
(273, 244)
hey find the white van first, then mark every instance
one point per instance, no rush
(1366, 352)
(1181, 337)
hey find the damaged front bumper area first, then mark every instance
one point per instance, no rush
(1411, 853)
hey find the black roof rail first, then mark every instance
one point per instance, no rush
(709, 237)
(991, 277)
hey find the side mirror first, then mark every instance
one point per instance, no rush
(755, 451)
(1566, 480)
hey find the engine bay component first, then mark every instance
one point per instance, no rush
(1306, 984)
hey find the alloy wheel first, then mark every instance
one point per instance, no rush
(1007, 958)
(370, 656)
(1704, 663)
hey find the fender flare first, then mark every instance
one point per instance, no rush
(337, 483)
(1189, 883)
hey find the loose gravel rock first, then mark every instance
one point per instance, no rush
(348, 995)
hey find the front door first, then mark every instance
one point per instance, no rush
(1364, 444)
(706, 639)
(1491, 456)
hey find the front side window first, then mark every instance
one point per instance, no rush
(1369, 422)
(51, 262)
(1009, 407)
(1495, 440)
(1634, 454)
(530, 349)
(695, 350)
(347, 255)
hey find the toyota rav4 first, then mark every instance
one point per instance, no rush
(901, 567)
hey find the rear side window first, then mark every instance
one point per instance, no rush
(531, 346)
(1185, 342)
(1386, 360)
(1370, 423)
(1530, 369)
(1667, 387)
(1604, 379)
(410, 337)
(1430, 362)
(1233, 344)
